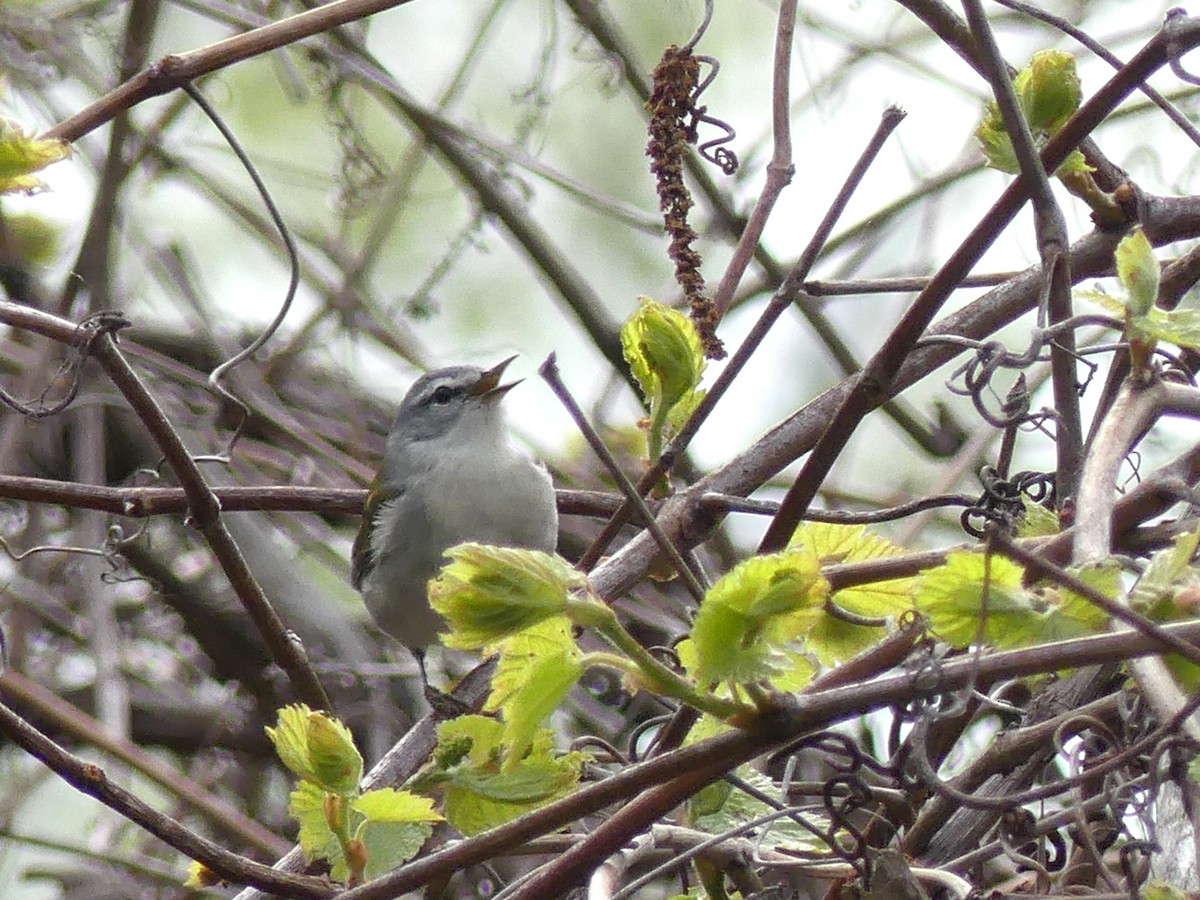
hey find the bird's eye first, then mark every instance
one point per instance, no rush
(442, 396)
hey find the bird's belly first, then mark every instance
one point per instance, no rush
(486, 507)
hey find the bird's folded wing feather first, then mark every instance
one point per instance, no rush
(380, 504)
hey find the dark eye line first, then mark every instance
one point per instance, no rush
(442, 394)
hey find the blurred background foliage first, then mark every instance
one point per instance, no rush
(536, 232)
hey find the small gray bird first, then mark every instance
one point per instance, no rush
(448, 475)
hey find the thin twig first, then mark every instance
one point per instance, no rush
(142, 502)
(727, 503)
(1051, 230)
(549, 371)
(779, 170)
(173, 71)
(49, 707)
(203, 504)
(878, 378)
(789, 291)
(91, 780)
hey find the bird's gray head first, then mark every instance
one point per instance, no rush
(451, 403)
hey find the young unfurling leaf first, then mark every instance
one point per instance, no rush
(536, 670)
(484, 787)
(1048, 91)
(317, 748)
(666, 357)
(751, 614)
(395, 825)
(22, 154)
(489, 593)
(1138, 271)
(972, 597)
(335, 760)
(1145, 323)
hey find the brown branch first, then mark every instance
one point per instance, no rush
(1051, 233)
(557, 878)
(878, 378)
(91, 780)
(172, 71)
(779, 170)
(48, 706)
(143, 502)
(203, 504)
(808, 712)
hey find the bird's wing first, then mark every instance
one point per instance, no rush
(380, 501)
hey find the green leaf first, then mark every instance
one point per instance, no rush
(318, 841)
(682, 411)
(994, 142)
(708, 801)
(666, 357)
(794, 670)
(1165, 569)
(336, 763)
(791, 670)
(1049, 90)
(290, 739)
(1176, 326)
(1110, 304)
(833, 640)
(1071, 615)
(391, 805)
(753, 612)
(317, 748)
(483, 790)
(951, 596)
(834, 543)
(724, 811)
(200, 877)
(1161, 890)
(21, 155)
(33, 240)
(489, 593)
(390, 844)
(1037, 521)
(1138, 271)
(664, 353)
(1074, 164)
(395, 826)
(537, 669)
(528, 783)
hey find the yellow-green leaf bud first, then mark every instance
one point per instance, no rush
(1049, 89)
(664, 352)
(290, 739)
(335, 761)
(22, 154)
(1138, 271)
(488, 593)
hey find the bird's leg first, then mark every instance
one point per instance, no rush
(445, 706)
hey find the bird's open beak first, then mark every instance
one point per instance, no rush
(488, 387)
